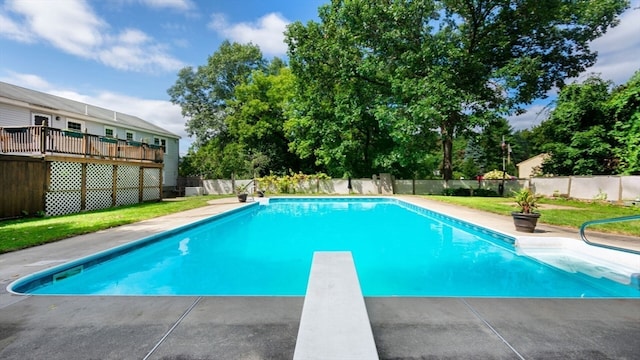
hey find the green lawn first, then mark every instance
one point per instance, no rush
(23, 233)
(562, 212)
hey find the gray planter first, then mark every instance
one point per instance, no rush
(525, 222)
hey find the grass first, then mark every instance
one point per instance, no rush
(22, 233)
(561, 212)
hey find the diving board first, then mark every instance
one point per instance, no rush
(334, 322)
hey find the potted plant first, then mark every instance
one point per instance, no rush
(526, 219)
(241, 192)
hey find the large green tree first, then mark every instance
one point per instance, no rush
(203, 93)
(235, 107)
(379, 77)
(346, 117)
(257, 117)
(624, 108)
(577, 132)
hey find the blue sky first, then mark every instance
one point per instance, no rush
(125, 54)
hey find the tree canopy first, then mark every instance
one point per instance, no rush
(235, 107)
(415, 88)
(203, 93)
(593, 130)
(380, 78)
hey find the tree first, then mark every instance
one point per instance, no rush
(490, 141)
(577, 131)
(345, 117)
(398, 70)
(624, 108)
(257, 116)
(203, 93)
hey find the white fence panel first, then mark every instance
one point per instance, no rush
(218, 186)
(595, 187)
(364, 186)
(551, 186)
(580, 187)
(430, 186)
(630, 187)
(403, 187)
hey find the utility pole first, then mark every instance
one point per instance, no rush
(504, 166)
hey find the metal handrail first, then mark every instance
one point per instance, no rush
(606, 221)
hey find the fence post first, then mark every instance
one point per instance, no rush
(233, 183)
(83, 187)
(619, 188)
(160, 181)
(114, 186)
(140, 183)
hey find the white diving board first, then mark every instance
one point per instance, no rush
(334, 322)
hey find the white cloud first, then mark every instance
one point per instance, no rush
(69, 25)
(619, 49)
(618, 59)
(182, 5)
(29, 81)
(533, 116)
(73, 27)
(267, 32)
(134, 50)
(13, 30)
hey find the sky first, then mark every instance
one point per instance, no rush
(123, 55)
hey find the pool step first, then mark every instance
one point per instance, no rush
(334, 322)
(578, 257)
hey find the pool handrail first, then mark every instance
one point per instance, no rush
(606, 221)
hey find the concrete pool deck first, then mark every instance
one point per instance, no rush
(103, 327)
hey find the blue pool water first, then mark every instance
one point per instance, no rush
(398, 249)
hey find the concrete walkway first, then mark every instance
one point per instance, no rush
(97, 327)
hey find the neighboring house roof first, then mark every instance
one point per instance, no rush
(538, 159)
(60, 104)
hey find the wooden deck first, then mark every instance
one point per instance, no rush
(31, 140)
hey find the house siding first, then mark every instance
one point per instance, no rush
(170, 174)
(528, 168)
(14, 116)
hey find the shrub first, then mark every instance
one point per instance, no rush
(469, 192)
(290, 183)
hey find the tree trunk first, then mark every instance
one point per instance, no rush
(447, 153)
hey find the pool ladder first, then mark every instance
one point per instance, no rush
(606, 221)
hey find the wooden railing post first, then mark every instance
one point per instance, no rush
(43, 139)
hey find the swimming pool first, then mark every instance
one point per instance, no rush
(399, 249)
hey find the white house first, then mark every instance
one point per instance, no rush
(105, 132)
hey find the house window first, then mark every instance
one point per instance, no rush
(161, 142)
(75, 125)
(109, 132)
(41, 119)
(130, 135)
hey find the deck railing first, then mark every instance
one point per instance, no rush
(46, 140)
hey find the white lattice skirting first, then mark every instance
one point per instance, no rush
(65, 187)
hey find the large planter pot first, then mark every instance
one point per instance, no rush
(525, 222)
(242, 197)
